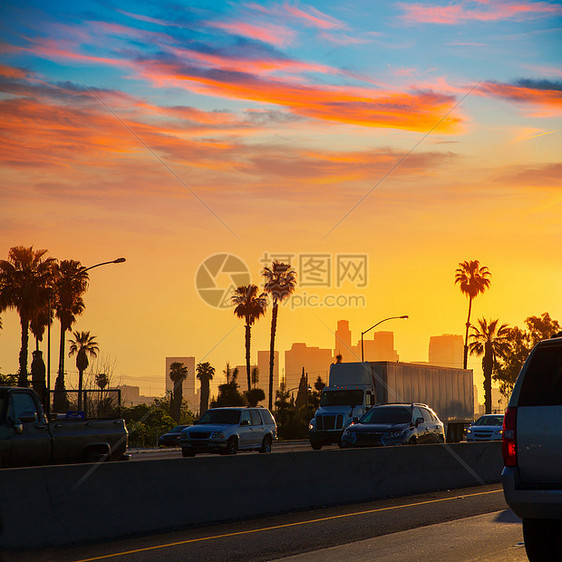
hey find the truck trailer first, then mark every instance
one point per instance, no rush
(355, 387)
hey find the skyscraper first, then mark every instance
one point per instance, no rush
(446, 351)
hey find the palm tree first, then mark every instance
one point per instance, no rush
(178, 373)
(70, 283)
(250, 306)
(101, 380)
(280, 283)
(473, 280)
(24, 285)
(83, 345)
(205, 374)
(492, 341)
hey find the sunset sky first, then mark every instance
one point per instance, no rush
(417, 134)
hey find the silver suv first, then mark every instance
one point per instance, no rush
(532, 450)
(229, 430)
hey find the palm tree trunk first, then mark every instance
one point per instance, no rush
(487, 367)
(80, 379)
(60, 401)
(465, 360)
(272, 350)
(22, 376)
(204, 404)
(248, 336)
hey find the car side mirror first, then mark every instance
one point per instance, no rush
(418, 421)
(28, 417)
(244, 422)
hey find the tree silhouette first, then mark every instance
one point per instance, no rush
(473, 279)
(491, 341)
(250, 306)
(178, 373)
(70, 284)
(280, 283)
(24, 285)
(205, 374)
(82, 345)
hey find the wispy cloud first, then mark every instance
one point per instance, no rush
(477, 10)
(538, 93)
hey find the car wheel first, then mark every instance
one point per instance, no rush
(542, 539)
(316, 446)
(412, 441)
(340, 444)
(266, 444)
(231, 446)
(187, 453)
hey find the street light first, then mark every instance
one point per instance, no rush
(374, 326)
(118, 260)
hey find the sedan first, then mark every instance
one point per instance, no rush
(172, 438)
(486, 428)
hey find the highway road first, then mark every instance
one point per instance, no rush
(173, 452)
(469, 524)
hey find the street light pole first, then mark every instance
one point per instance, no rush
(374, 326)
(118, 260)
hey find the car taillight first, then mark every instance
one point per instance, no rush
(509, 437)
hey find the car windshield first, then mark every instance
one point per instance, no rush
(341, 398)
(228, 417)
(489, 420)
(387, 414)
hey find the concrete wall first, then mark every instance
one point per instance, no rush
(56, 505)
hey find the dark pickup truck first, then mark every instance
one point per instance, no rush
(27, 438)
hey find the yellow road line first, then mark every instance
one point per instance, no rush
(286, 525)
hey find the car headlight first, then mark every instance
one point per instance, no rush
(395, 433)
(217, 435)
(469, 430)
(349, 435)
(311, 424)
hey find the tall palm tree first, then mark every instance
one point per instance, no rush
(280, 283)
(24, 282)
(492, 341)
(205, 374)
(249, 305)
(83, 345)
(70, 284)
(473, 279)
(178, 373)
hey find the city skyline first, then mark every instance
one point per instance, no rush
(375, 144)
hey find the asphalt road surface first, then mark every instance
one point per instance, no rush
(469, 524)
(174, 452)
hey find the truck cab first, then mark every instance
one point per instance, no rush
(349, 395)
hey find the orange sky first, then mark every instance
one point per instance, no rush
(297, 128)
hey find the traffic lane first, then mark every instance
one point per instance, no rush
(492, 537)
(277, 536)
(173, 452)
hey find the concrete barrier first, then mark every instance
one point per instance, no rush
(59, 505)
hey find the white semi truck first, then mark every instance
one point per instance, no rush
(354, 387)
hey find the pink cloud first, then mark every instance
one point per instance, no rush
(480, 10)
(268, 33)
(314, 17)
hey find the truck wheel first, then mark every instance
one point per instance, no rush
(542, 539)
(266, 444)
(187, 453)
(316, 446)
(93, 455)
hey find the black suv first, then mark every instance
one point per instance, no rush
(532, 450)
(395, 424)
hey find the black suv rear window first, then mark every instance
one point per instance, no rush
(542, 385)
